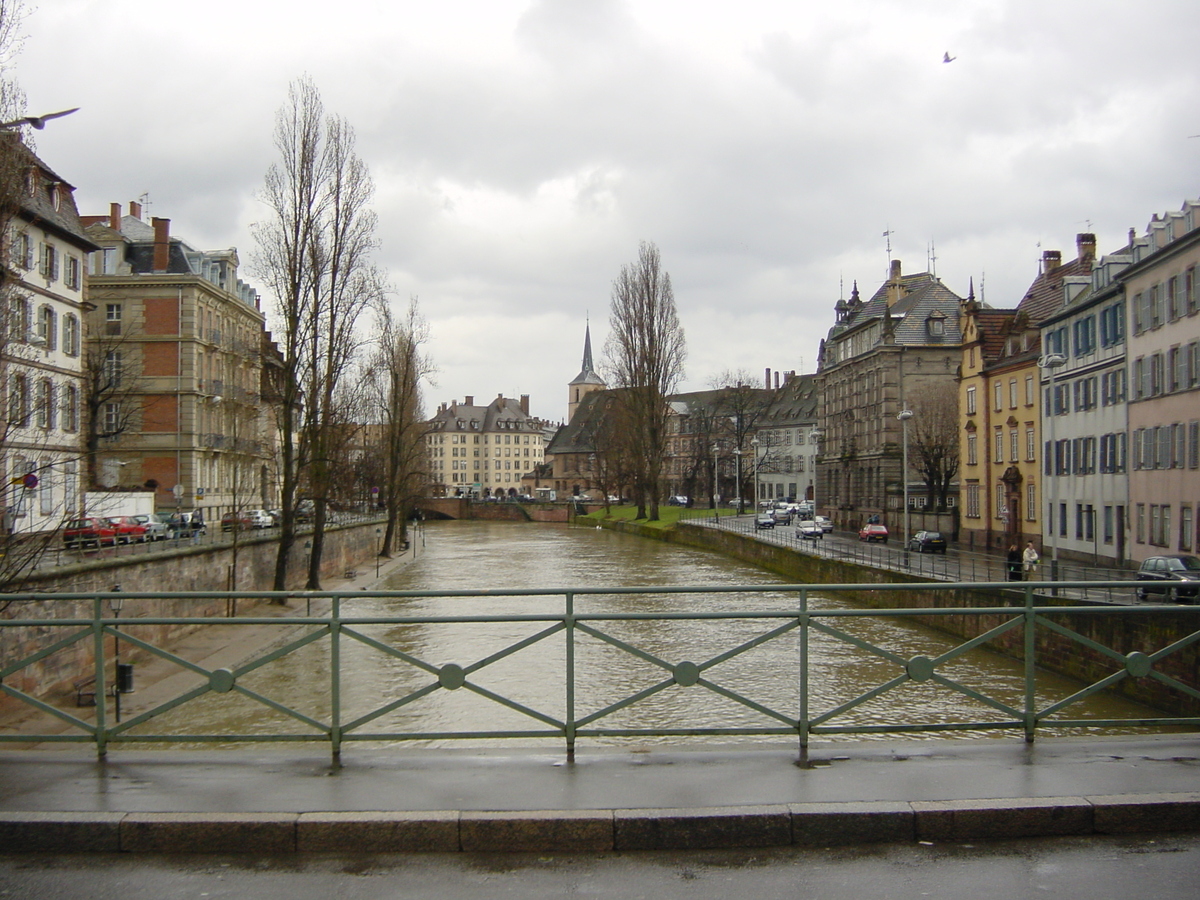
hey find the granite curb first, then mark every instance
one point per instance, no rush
(591, 831)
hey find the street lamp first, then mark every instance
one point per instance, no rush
(754, 450)
(737, 455)
(715, 449)
(815, 436)
(1053, 362)
(904, 415)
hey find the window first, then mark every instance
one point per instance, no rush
(1108, 524)
(71, 334)
(998, 391)
(1030, 445)
(1174, 298)
(1140, 523)
(49, 266)
(1189, 291)
(1185, 527)
(44, 413)
(1085, 335)
(1030, 502)
(74, 273)
(999, 443)
(47, 327)
(1029, 390)
(23, 250)
(1012, 393)
(70, 412)
(113, 367)
(973, 501)
(1001, 506)
(1014, 445)
(18, 401)
(972, 451)
(112, 318)
(1193, 450)
(970, 401)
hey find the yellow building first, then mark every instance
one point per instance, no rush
(483, 451)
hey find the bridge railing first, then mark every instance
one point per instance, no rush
(603, 663)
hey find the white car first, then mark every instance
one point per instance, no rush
(155, 525)
(825, 524)
(810, 529)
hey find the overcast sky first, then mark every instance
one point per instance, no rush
(522, 148)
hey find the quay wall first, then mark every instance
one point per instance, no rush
(199, 567)
(1053, 651)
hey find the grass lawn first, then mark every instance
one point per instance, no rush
(667, 515)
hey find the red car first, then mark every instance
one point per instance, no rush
(93, 530)
(128, 529)
(873, 533)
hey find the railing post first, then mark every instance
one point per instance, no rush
(335, 675)
(98, 678)
(1030, 667)
(569, 620)
(802, 724)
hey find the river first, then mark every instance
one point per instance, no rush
(464, 555)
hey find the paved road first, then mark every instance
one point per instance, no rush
(1146, 867)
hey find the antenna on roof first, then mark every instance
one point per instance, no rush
(144, 200)
(888, 237)
(933, 258)
(982, 281)
(841, 286)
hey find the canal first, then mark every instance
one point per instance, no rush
(471, 555)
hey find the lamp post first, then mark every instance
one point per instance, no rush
(737, 455)
(117, 603)
(378, 531)
(904, 415)
(815, 436)
(716, 501)
(1053, 362)
(754, 451)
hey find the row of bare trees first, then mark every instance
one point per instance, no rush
(316, 254)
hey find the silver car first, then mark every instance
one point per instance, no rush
(155, 525)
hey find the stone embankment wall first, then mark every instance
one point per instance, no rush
(1055, 652)
(199, 567)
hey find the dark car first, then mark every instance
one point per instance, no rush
(873, 533)
(927, 542)
(186, 524)
(1177, 578)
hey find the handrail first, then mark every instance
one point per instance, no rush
(747, 618)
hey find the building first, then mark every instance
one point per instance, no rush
(587, 381)
(41, 353)
(1164, 384)
(177, 343)
(787, 447)
(484, 451)
(879, 358)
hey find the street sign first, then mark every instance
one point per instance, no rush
(30, 481)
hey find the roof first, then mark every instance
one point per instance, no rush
(502, 414)
(587, 375)
(38, 206)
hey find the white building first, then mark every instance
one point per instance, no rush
(41, 354)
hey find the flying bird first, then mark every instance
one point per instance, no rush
(38, 122)
(948, 58)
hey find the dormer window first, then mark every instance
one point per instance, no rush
(935, 325)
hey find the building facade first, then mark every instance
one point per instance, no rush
(41, 354)
(484, 451)
(176, 342)
(787, 447)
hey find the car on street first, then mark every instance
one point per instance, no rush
(1177, 578)
(247, 518)
(870, 533)
(155, 525)
(89, 531)
(186, 524)
(927, 542)
(764, 520)
(783, 517)
(128, 529)
(810, 529)
(826, 524)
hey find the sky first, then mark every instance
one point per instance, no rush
(521, 150)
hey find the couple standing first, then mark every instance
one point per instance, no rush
(1017, 560)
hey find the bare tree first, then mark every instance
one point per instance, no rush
(314, 250)
(741, 405)
(933, 439)
(112, 395)
(646, 352)
(399, 367)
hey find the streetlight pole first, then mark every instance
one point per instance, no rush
(1053, 362)
(904, 415)
(754, 450)
(737, 455)
(815, 436)
(716, 501)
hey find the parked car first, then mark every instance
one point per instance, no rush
(247, 518)
(927, 542)
(128, 529)
(826, 525)
(783, 517)
(764, 520)
(1177, 578)
(155, 525)
(810, 529)
(186, 524)
(871, 533)
(677, 501)
(89, 531)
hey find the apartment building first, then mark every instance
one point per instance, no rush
(483, 450)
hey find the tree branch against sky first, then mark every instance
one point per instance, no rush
(933, 439)
(646, 352)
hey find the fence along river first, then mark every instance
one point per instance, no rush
(472, 555)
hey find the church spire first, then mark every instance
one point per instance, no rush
(587, 348)
(587, 380)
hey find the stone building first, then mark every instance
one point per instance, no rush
(177, 342)
(879, 357)
(41, 348)
(483, 451)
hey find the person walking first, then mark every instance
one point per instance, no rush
(1013, 563)
(1030, 559)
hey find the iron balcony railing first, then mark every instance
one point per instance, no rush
(615, 627)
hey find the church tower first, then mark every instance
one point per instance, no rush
(586, 381)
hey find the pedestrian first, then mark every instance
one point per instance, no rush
(1030, 558)
(1014, 563)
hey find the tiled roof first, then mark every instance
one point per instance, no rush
(1045, 295)
(39, 207)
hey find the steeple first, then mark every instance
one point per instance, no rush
(587, 380)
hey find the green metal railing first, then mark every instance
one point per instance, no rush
(558, 623)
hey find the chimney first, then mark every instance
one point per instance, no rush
(1085, 245)
(776, 381)
(114, 216)
(1051, 260)
(768, 382)
(893, 285)
(135, 209)
(525, 404)
(469, 400)
(162, 243)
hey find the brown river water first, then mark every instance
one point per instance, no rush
(483, 555)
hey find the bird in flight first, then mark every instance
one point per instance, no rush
(38, 122)
(948, 58)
